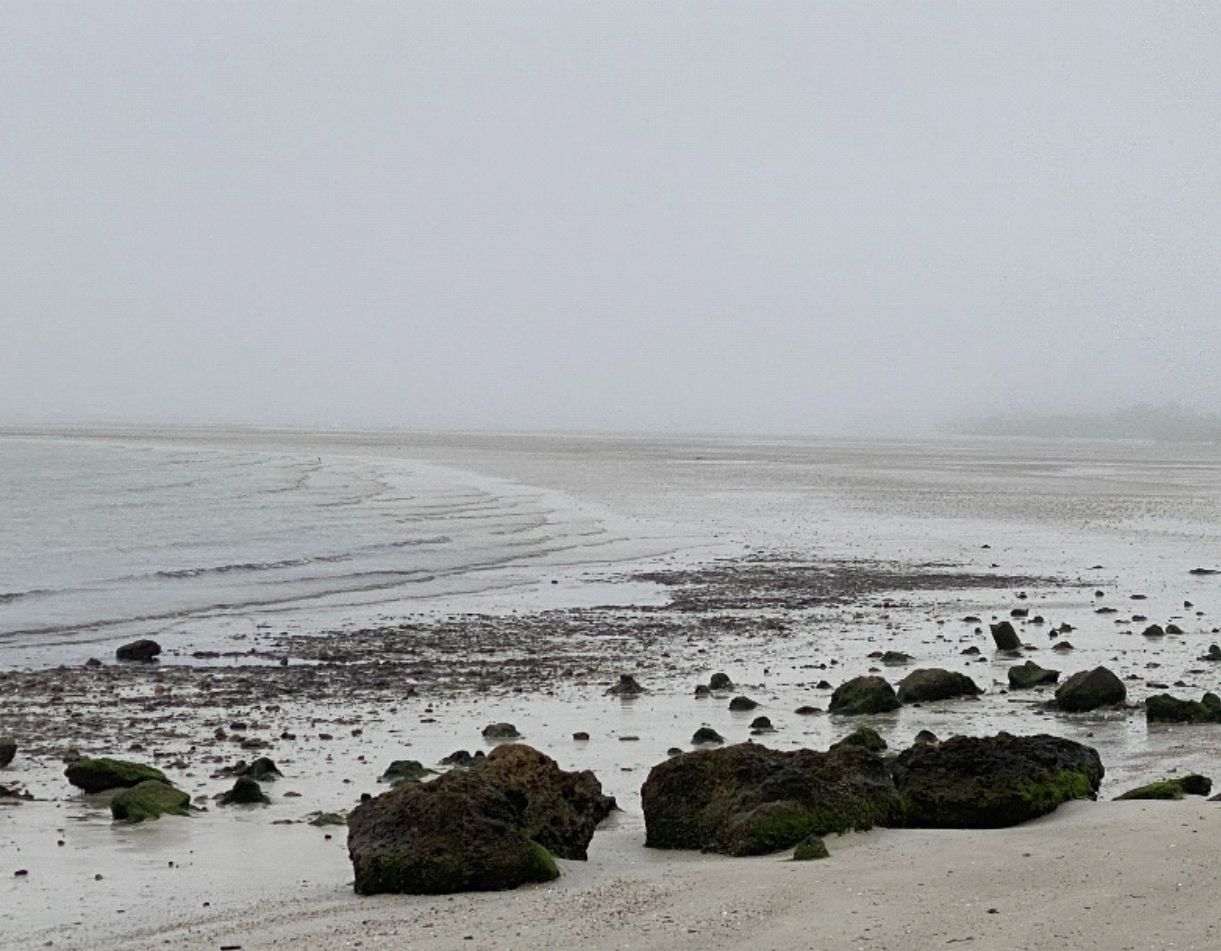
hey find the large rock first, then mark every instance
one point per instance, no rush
(1163, 708)
(489, 828)
(8, 750)
(98, 775)
(1005, 636)
(751, 800)
(934, 683)
(862, 695)
(1028, 675)
(991, 782)
(1090, 689)
(149, 800)
(142, 650)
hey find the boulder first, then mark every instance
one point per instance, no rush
(500, 731)
(101, 774)
(1163, 708)
(863, 736)
(405, 771)
(720, 682)
(626, 687)
(862, 695)
(1090, 689)
(740, 704)
(1005, 636)
(991, 782)
(149, 800)
(761, 725)
(935, 683)
(8, 750)
(1153, 630)
(706, 734)
(1028, 675)
(485, 829)
(751, 800)
(144, 651)
(245, 792)
(1193, 785)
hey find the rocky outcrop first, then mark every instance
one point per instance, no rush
(143, 651)
(863, 695)
(149, 800)
(1163, 708)
(1028, 675)
(103, 773)
(992, 782)
(934, 683)
(1089, 689)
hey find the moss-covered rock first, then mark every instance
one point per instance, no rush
(863, 695)
(149, 800)
(1028, 675)
(991, 782)
(1193, 785)
(100, 774)
(810, 849)
(1163, 708)
(405, 771)
(1089, 689)
(935, 683)
(863, 736)
(322, 819)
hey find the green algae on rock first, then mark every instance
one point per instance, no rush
(103, 773)
(863, 695)
(927, 684)
(149, 800)
(1193, 785)
(1163, 708)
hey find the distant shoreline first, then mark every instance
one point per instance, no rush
(1157, 423)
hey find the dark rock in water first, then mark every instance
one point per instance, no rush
(99, 775)
(971, 651)
(674, 751)
(8, 750)
(1030, 674)
(488, 829)
(1173, 629)
(1090, 689)
(926, 736)
(750, 800)
(1106, 611)
(762, 725)
(807, 711)
(1005, 636)
(1038, 619)
(972, 619)
(500, 731)
(462, 758)
(1203, 571)
(581, 736)
(142, 650)
(864, 737)
(1193, 785)
(1213, 653)
(262, 770)
(896, 657)
(823, 685)
(992, 782)
(1163, 708)
(626, 687)
(1153, 630)
(1066, 628)
(149, 800)
(1062, 646)
(13, 792)
(742, 703)
(863, 695)
(720, 682)
(703, 690)
(322, 819)
(1019, 612)
(810, 849)
(405, 771)
(244, 792)
(1138, 597)
(934, 683)
(706, 734)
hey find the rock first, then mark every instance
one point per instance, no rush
(894, 658)
(740, 704)
(864, 737)
(1163, 708)
(751, 800)
(500, 731)
(706, 734)
(144, 651)
(463, 758)
(8, 750)
(992, 782)
(1213, 653)
(1062, 646)
(320, 819)
(810, 849)
(1090, 689)
(405, 771)
(1193, 785)
(1173, 629)
(1027, 675)
(99, 775)
(720, 682)
(674, 751)
(626, 687)
(1153, 630)
(262, 770)
(703, 690)
(581, 736)
(807, 711)
(1019, 612)
(488, 829)
(863, 695)
(934, 683)
(761, 725)
(149, 800)
(971, 651)
(245, 792)
(1005, 636)
(926, 736)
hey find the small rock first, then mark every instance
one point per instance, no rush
(581, 736)
(761, 725)
(810, 849)
(706, 734)
(244, 792)
(500, 731)
(405, 771)
(8, 750)
(1005, 636)
(142, 651)
(627, 687)
(742, 703)
(720, 681)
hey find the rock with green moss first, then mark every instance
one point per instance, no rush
(321, 819)
(750, 800)
(992, 782)
(863, 695)
(245, 792)
(863, 736)
(1090, 689)
(1177, 788)
(405, 771)
(1163, 708)
(1028, 675)
(935, 683)
(149, 800)
(103, 773)
(488, 829)
(810, 849)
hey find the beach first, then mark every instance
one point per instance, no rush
(567, 562)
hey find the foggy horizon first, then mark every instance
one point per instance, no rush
(754, 219)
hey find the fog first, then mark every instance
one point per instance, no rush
(764, 217)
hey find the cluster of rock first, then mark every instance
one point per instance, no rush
(144, 792)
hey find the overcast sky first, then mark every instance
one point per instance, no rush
(765, 217)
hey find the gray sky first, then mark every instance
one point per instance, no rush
(758, 217)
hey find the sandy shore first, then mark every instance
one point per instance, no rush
(1093, 875)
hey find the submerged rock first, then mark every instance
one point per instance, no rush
(500, 731)
(706, 734)
(143, 651)
(245, 792)
(1163, 708)
(1213, 653)
(720, 681)
(103, 773)
(1089, 689)
(1005, 636)
(1028, 675)
(761, 725)
(626, 687)
(863, 695)
(1193, 785)
(934, 683)
(740, 704)
(8, 750)
(149, 800)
